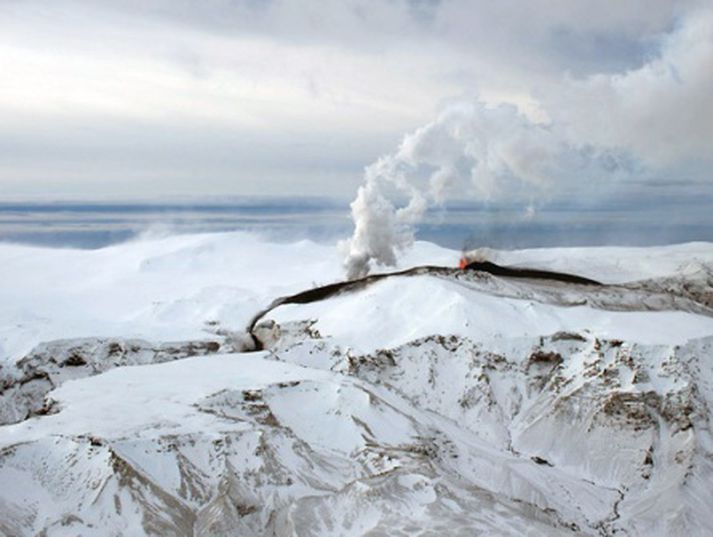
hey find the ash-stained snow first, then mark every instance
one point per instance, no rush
(424, 405)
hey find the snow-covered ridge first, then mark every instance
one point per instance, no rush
(24, 387)
(634, 419)
(486, 307)
(452, 404)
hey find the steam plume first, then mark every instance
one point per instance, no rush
(471, 150)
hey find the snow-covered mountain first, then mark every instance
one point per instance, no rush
(446, 403)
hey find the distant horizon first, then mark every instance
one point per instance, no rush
(457, 225)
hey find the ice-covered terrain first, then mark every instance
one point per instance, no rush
(445, 403)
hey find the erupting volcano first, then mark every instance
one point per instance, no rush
(201, 337)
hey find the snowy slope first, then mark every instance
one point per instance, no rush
(423, 305)
(611, 264)
(165, 289)
(160, 288)
(451, 404)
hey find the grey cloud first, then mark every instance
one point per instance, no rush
(132, 159)
(621, 95)
(583, 37)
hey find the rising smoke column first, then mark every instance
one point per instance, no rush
(379, 227)
(471, 150)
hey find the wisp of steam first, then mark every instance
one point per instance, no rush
(470, 150)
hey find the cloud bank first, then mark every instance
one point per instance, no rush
(294, 96)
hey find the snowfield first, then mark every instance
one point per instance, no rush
(132, 401)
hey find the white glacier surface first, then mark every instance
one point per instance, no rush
(432, 404)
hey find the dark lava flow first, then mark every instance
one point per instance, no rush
(328, 291)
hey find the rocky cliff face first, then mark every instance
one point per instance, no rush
(25, 384)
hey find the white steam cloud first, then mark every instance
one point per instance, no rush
(470, 150)
(603, 128)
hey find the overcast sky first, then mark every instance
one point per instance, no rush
(140, 98)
